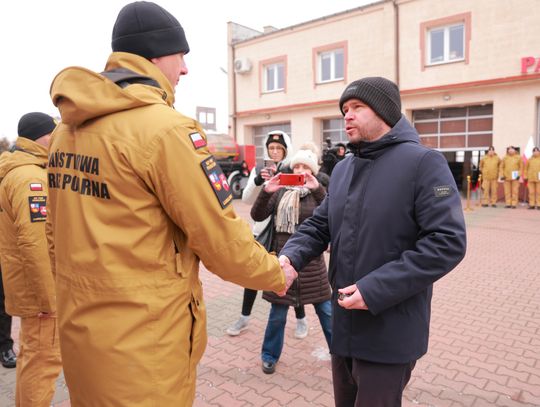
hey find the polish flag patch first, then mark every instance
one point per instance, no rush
(197, 140)
(36, 186)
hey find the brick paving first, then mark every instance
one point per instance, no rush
(484, 347)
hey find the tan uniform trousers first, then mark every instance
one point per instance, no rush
(38, 362)
(534, 193)
(489, 190)
(511, 189)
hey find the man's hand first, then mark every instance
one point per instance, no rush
(290, 273)
(352, 298)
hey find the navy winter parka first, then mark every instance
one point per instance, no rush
(393, 214)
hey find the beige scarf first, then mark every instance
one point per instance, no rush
(288, 210)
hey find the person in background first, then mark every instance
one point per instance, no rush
(136, 203)
(277, 155)
(393, 233)
(532, 176)
(7, 355)
(290, 205)
(26, 267)
(510, 171)
(489, 168)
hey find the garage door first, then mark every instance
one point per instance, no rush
(455, 128)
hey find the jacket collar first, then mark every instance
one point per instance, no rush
(402, 132)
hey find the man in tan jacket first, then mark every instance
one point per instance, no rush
(26, 269)
(136, 200)
(510, 171)
(532, 176)
(489, 167)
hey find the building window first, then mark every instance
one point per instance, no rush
(274, 72)
(333, 130)
(206, 116)
(455, 128)
(446, 44)
(445, 40)
(330, 63)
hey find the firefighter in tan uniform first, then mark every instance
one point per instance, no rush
(136, 201)
(489, 167)
(26, 268)
(532, 176)
(510, 171)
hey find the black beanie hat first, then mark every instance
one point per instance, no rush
(276, 138)
(35, 125)
(146, 29)
(380, 94)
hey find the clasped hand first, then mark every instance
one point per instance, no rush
(290, 274)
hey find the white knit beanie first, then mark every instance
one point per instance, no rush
(306, 157)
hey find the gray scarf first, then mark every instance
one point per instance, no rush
(289, 209)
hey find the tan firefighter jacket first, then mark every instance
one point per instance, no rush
(136, 202)
(489, 167)
(26, 269)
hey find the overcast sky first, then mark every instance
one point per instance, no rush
(38, 38)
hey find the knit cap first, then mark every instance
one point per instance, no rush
(35, 125)
(380, 94)
(307, 155)
(148, 30)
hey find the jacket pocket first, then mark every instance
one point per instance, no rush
(198, 336)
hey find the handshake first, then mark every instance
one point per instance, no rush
(290, 273)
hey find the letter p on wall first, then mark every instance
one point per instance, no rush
(528, 62)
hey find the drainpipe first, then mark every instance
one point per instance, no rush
(396, 39)
(232, 80)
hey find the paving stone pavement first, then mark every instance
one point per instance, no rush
(484, 346)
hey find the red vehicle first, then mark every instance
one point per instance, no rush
(235, 161)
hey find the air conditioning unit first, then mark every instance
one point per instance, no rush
(242, 65)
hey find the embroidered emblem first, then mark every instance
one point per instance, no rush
(197, 140)
(442, 191)
(218, 181)
(38, 208)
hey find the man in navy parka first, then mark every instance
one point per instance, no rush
(393, 214)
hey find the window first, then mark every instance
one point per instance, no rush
(274, 77)
(331, 65)
(455, 128)
(206, 116)
(445, 40)
(446, 44)
(334, 129)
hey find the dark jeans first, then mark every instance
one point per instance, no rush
(358, 383)
(5, 322)
(249, 300)
(274, 335)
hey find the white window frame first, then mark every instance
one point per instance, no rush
(446, 45)
(275, 69)
(332, 54)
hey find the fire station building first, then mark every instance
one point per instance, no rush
(468, 71)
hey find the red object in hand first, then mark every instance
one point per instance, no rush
(292, 179)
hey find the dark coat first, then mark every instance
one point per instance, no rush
(394, 217)
(312, 285)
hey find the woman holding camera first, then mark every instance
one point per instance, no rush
(276, 159)
(290, 205)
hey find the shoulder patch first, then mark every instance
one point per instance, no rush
(197, 140)
(36, 186)
(38, 208)
(442, 191)
(218, 181)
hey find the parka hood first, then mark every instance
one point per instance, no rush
(286, 160)
(81, 94)
(25, 152)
